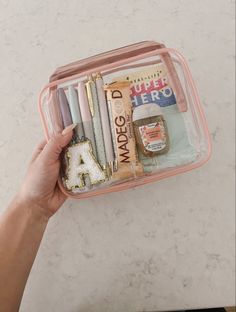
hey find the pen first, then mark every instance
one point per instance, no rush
(64, 108)
(105, 120)
(86, 116)
(94, 108)
(75, 112)
(90, 94)
(54, 112)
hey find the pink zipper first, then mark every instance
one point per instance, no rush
(76, 67)
(126, 53)
(100, 68)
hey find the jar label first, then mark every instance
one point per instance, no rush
(153, 136)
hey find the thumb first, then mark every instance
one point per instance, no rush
(57, 142)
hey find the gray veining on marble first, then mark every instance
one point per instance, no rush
(127, 251)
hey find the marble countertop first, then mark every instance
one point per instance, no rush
(167, 245)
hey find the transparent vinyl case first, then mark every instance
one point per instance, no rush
(189, 140)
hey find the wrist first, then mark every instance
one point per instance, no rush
(33, 209)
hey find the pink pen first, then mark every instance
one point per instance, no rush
(86, 115)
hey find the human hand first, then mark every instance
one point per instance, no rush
(39, 189)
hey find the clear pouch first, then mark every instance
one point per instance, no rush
(141, 64)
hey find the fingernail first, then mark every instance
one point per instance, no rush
(68, 129)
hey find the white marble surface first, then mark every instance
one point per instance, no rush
(168, 245)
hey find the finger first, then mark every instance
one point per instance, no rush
(53, 148)
(38, 149)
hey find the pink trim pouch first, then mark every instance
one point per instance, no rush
(138, 119)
